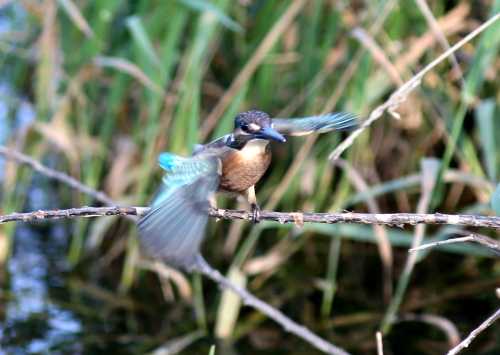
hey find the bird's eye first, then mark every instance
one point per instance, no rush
(244, 127)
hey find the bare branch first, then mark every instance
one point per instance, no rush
(23, 159)
(74, 212)
(405, 90)
(475, 333)
(492, 244)
(391, 219)
(56, 175)
(201, 266)
(471, 238)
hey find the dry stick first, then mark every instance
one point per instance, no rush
(475, 333)
(23, 159)
(54, 174)
(250, 300)
(471, 238)
(404, 91)
(299, 218)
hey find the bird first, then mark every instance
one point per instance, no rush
(174, 227)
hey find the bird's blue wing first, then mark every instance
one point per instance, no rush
(218, 143)
(174, 227)
(335, 121)
(168, 161)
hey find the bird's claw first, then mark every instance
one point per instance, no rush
(255, 213)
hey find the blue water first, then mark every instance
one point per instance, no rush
(33, 322)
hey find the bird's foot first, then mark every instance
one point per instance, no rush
(256, 213)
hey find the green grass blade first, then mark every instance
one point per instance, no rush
(485, 120)
(205, 6)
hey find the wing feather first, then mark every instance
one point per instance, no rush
(175, 226)
(335, 121)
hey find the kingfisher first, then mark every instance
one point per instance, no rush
(173, 229)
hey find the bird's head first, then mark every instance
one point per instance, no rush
(255, 125)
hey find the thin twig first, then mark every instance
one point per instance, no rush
(201, 266)
(466, 342)
(391, 219)
(74, 212)
(471, 238)
(23, 159)
(404, 91)
(56, 175)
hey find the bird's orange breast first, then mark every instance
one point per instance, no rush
(241, 169)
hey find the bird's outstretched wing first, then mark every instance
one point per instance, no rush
(174, 227)
(335, 121)
(218, 143)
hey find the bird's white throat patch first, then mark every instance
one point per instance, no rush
(255, 146)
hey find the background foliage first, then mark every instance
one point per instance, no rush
(99, 88)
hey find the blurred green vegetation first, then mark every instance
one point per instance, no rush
(98, 88)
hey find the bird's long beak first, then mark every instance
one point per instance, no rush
(269, 133)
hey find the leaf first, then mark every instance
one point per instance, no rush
(485, 119)
(495, 202)
(205, 6)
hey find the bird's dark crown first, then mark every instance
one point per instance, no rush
(252, 121)
(252, 125)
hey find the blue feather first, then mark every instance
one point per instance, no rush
(335, 121)
(175, 225)
(168, 161)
